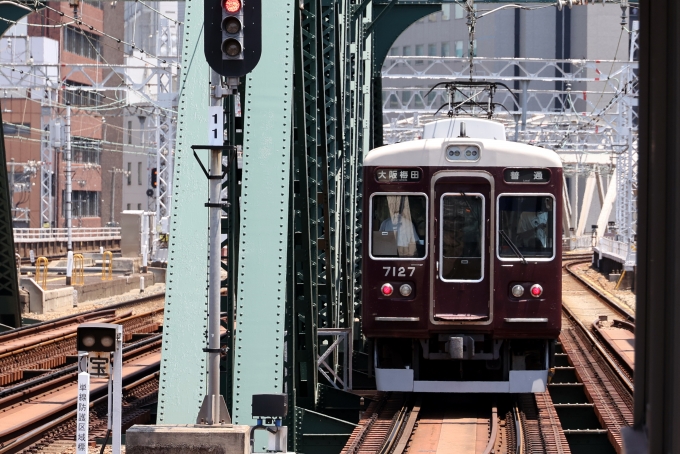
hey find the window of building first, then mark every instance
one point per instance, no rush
(433, 17)
(398, 225)
(129, 131)
(446, 50)
(432, 50)
(458, 12)
(420, 51)
(394, 101)
(86, 150)
(16, 129)
(96, 3)
(139, 206)
(139, 173)
(83, 43)
(394, 51)
(129, 173)
(446, 12)
(84, 204)
(81, 96)
(459, 48)
(128, 206)
(407, 51)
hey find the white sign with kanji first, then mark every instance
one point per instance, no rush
(99, 364)
(82, 413)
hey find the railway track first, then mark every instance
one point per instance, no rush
(593, 381)
(37, 352)
(410, 423)
(32, 417)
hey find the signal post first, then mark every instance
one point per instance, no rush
(232, 47)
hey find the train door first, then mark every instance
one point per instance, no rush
(461, 230)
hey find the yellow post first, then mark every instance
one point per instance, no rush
(78, 269)
(41, 271)
(107, 266)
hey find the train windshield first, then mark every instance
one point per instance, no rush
(461, 237)
(528, 226)
(399, 226)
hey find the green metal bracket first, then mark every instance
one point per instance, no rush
(371, 26)
(183, 364)
(319, 433)
(11, 12)
(264, 214)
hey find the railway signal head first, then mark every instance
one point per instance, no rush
(154, 177)
(233, 35)
(97, 337)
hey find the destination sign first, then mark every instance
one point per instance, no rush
(526, 175)
(398, 175)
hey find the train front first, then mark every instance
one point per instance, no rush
(462, 263)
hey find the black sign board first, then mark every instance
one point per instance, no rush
(398, 175)
(526, 175)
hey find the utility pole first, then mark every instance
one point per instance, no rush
(114, 171)
(67, 199)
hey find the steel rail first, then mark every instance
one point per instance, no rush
(74, 317)
(601, 293)
(601, 350)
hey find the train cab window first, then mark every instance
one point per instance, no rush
(461, 237)
(398, 226)
(526, 227)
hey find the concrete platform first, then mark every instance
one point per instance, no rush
(57, 296)
(187, 439)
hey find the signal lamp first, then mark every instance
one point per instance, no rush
(231, 25)
(96, 337)
(405, 290)
(232, 6)
(517, 290)
(536, 290)
(231, 47)
(387, 289)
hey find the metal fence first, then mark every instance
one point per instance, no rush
(624, 252)
(94, 233)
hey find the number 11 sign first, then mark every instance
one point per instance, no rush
(215, 126)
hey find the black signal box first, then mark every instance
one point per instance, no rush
(270, 405)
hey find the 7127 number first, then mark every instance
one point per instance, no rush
(398, 271)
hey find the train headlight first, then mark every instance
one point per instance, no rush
(536, 290)
(405, 290)
(517, 290)
(387, 289)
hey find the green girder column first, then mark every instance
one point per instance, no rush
(182, 381)
(265, 191)
(10, 311)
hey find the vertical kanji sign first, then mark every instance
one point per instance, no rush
(83, 413)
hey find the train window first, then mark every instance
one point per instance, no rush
(398, 226)
(526, 226)
(461, 237)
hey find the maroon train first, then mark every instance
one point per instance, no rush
(462, 261)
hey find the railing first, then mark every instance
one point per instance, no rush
(579, 242)
(625, 252)
(80, 233)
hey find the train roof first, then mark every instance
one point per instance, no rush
(433, 153)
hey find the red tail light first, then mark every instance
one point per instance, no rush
(536, 290)
(387, 289)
